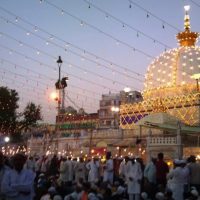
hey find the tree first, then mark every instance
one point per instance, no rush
(8, 110)
(31, 115)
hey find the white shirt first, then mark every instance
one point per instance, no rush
(18, 186)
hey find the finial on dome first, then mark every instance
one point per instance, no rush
(187, 38)
(187, 18)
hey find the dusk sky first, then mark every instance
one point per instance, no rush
(105, 45)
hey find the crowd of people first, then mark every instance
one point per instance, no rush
(64, 178)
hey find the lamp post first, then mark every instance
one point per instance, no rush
(197, 77)
(58, 87)
(58, 83)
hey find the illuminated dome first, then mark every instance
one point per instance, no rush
(170, 85)
(172, 72)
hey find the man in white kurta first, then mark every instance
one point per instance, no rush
(108, 170)
(63, 178)
(80, 171)
(134, 180)
(176, 177)
(93, 167)
(3, 170)
(17, 184)
(123, 169)
(70, 170)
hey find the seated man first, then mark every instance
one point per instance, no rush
(17, 183)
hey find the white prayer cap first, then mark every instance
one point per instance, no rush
(177, 161)
(120, 190)
(46, 197)
(183, 161)
(41, 175)
(52, 189)
(144, 195)
(193, 188)
(160, 196)
(194, 193)
(57, 197)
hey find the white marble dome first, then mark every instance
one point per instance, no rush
(173, 68)
(172, 73)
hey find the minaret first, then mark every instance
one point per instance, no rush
(187, 38)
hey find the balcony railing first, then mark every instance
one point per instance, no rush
(162, 141)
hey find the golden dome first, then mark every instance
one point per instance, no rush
(171, 73)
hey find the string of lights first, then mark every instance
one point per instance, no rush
(40, 75)
(72, 102)
(148, 14)
(97, 64)
(82, 22)
(41, 92)
(82, 69)
(26, 99)
(117, 82)
(67, 43)
(51, 67)
(110, 66)
(124, 24)
(42, 83)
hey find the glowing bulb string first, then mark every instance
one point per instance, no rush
(127, 25)
(153, 15)
(43, 103)
(101, 31)
(180, 69)
(48, 77)
(72, 102)
(91, 105)
(72, 75)
(74, 46)
(28, 94)
(44, 109)
(43, 91)
(70, 51)
(91, 72)
(23, 84)
(113, 81)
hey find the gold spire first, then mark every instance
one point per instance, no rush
(187, 38)
(187, 18)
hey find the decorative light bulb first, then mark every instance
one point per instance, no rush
(187, 8)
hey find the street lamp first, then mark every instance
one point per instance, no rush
(197, 77)
(6, 139)
(58, 83)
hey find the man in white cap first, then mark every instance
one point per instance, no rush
(3, 170)
(186, 176)
(123, 168)
(93, 167)
(18, 183)
(160, 196)
(63, 178)
(176, 177)
(134, 180)
(194, 168)
(108, 169)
